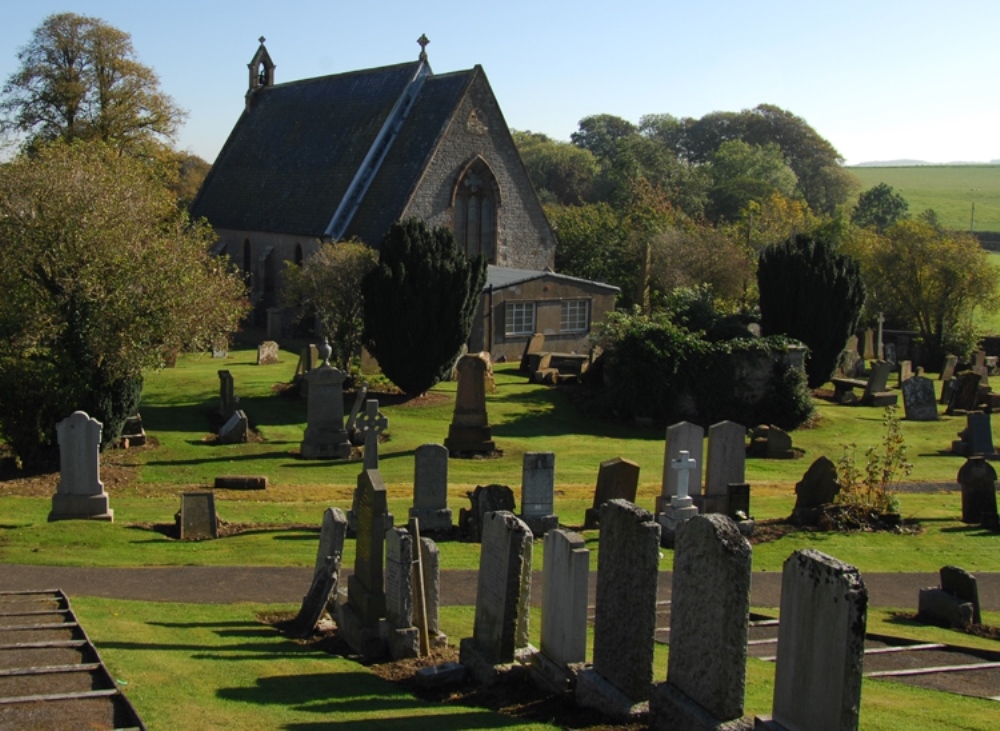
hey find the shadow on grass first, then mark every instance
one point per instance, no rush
(972, 531)
(223, 458)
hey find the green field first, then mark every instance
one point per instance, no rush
(949, 189)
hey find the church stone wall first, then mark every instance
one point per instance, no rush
(524, 237)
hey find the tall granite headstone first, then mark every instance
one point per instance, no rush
(538, 492)
(397, 630)
(726, 463)
(470, 433)
(430, 488)
(80, 493)
(325, 435)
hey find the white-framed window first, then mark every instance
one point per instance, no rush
(574, 316)
(519, 319)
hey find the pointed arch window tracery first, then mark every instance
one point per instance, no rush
(476, 200)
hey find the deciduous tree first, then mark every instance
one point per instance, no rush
(879, 208)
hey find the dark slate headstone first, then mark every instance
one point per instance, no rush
(919, 403)
(965, 393)
(817, 487)
(485, 499)
(979, 434)
(978, 480)
(617, 479)
(961, 584)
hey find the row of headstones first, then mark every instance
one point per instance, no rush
(821, 635)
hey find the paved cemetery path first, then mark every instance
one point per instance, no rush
(269, 585)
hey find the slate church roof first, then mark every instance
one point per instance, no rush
(298, 148)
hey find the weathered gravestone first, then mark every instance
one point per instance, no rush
(470, 433)
(618, 682)
(726, 463)
(770, 442)
(430, 566)
(818, 487)
(538, 492)
(133, 435)
(535, 344)
(227, 400)
(955, 603)
(919, 402)
(964, 394)
(681, 437)
(430, 488)
(905, 371)
(565, 579)
(978, 480)
(869, 353)
(236, 429)
(80, 493)
(682, 507)
(241, 482)
(617, 479)
(977, 437)
(948, 369)
(356, 437)
(397, 630)
(877, 391)
(821, 644)
(709, 625)
(485, 499)
(503, 594)
(371, 424)
(198, 520)
(267, 353)
(358, 617)
(322, 593)
(325, 436)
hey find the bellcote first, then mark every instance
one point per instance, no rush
(261, 71)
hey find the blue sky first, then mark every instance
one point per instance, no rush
(881, 80)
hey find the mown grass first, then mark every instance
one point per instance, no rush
(948, 189)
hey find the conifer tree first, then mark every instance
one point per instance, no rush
(419, 304)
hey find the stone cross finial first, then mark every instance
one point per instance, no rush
(262, 39)
(683, 464)
(423, 41)
(372, 423)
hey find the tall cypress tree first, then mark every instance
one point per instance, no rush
(420, 302)
(813, 294)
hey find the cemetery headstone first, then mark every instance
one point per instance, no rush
(617, 479)
(770, 442)
(876, 390)
(685, 437)
(430, 558)
(503, 594)
(360, 397)
(869, 353)
(80, 493)
(241, 482)
(133, 435)
(565, 581)
(726, 463)
(358, 618)
(962, 584)
(220, 348)
(709, 626)
(535, 344)
(817, 679)
(948, 369)
(198, 520)
(227, 400)
(984, 375)
(430, 488)
(618, 683)
(484, 499)
(954, 604)
(470, 433)
(905, 371)
(397, 630)
(236, 429)
(538, 492)
(371, 424)
(682, 507)
(325, 436)
(267, 353)
(818, 487)
(919, 402)
(978, 481)
(964, 394)
(979, 433)
(322, 593)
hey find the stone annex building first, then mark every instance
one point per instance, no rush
(342, 157)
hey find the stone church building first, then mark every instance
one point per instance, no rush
(344, 156)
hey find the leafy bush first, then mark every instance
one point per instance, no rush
(868, 493)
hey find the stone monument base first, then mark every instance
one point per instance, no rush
(766, 723)
(540, 524)
(81, 507)
(595, 691)
(364, 641)
(488, 673)
(329, 445)
(552, 677)
(432, 519)
(670, 709)
(464, 440)
(400, 642)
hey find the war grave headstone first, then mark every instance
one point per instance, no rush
(538, 492)
(954, 604)
(398, 633)
(322, 593)
(430, 488)
(565, 580)
(818, 487)
(371, 424)
(685, 437)
(267, 353)
(978, 480)
(227, 399)
(358, 617)
(617, 479)
(80, 493)
(725, 464)
(469, 432)
(484, 499)
(618, 681)
(198, 520)
(817, 680)
(430, 565)
(236, 429)
(709, 626)
(682, 507)
(499, 642)
(325, 436)
(919, 402)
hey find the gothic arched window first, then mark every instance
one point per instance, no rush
(476, 200)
